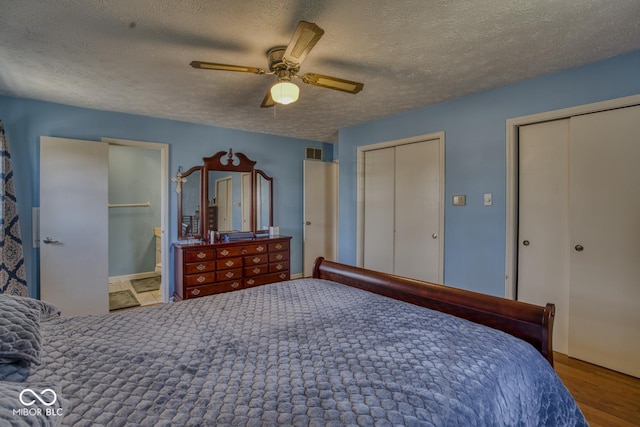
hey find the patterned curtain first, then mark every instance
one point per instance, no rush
(12, 275)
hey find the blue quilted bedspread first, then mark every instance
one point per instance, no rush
(305, 352)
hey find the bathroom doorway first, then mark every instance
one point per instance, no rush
(137, 217)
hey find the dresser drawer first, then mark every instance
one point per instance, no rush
(199, 267)
(267, 278)
(279, 266)
(278, 246)
(256, 260)
(278, 256)
(256, 270)
(214, 288)
(199, 255)
(228, 275)
(248, 249)
(225, 264)
(200, 279)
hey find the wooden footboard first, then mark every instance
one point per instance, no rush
(528, 322)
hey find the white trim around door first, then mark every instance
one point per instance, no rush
(512, 126)
(360, 192)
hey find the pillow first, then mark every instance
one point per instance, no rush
(19, 331)
(30, 405)
(46, 310)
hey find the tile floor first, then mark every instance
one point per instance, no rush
(144, 298)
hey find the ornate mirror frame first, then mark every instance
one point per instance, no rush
(229, 162)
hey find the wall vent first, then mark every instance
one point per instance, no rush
(314, 153)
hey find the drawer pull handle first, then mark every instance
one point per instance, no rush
(278, 246)
(250, 281)
(256, 270)
(224, 252)
(256, 260)
(230, 274)
(201, 279)
(201, 255)
(229, 263)
(279, 257)
(235, 285)
(260, 248)
(195, 292)
(279, 267)
(201, 267)
(283, 276)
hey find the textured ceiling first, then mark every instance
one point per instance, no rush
(133, 55)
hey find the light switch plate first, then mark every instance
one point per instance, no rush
(488, 199)
(459, 200)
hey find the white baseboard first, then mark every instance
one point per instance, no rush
(115, 279)
(297, 276)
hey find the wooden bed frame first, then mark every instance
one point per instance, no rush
(531, 323)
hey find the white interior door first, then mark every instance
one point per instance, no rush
(379, 210)
(224, 198)
(417, 211)
(543, 228)
(246, 202)
(320, 212)
(74, 255)
(605, 234)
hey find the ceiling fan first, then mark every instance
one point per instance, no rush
(284, 62)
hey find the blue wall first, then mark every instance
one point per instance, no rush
(134, 177)
(26, 120)
(475, 143)
(475, 160)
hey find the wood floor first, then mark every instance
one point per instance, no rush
(606, 398)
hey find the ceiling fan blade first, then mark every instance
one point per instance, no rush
(303, 40)
(332, 83)
(268, 100)
(226, 67)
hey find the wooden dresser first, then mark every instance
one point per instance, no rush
(210, 268)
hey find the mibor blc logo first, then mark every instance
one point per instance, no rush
(46, 398)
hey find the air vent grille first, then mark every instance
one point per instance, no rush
(314, 153)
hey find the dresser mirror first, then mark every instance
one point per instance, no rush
(230, 195)
(189, 201)
(264, 207)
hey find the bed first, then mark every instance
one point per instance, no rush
(346, 347)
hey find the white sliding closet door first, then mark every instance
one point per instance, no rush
(402, 210)
(379, 210)
(417, 213)
(604, 293)
(543, 228)
(579, 228)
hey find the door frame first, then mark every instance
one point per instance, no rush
(439, 136)
(164, 203)
(512, 128)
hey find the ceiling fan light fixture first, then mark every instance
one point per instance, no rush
(285, 92)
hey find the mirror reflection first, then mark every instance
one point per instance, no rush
(226, 193)
(189, 208)
(229, 201)
(264, 209)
